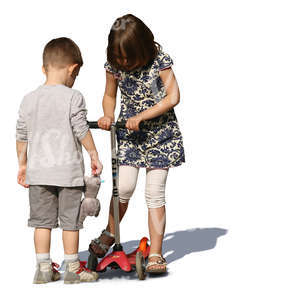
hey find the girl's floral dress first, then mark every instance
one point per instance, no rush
(159, 144)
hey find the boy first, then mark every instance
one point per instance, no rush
(52, 122)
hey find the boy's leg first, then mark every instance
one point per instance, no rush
(70, 241)
(69, 199)
(42, 240)
(155, 198)
(43, 216)
(69, 208)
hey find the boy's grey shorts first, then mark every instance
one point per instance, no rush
(50, 203)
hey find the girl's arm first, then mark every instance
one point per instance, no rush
(109, 102)
(172, 99)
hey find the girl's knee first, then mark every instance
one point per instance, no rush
(123, 201)
(125, 192)
(155, 195)
(155, 187)
(127, 182)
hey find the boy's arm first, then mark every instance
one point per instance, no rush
(21, 145)
(81, 131)
(22, 159)
(88, 143)
(22, 153)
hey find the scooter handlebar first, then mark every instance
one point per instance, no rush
(121, 124)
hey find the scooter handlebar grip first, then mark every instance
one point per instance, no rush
(93, 125)
(122, 125)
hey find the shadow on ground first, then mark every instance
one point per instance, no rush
(176, 245)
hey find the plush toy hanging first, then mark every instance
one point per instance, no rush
(90, 205)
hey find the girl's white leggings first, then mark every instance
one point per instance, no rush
(155, 185)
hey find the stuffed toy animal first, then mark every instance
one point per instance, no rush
(90, 205)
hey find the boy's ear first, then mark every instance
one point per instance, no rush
(44, 70)
(74, 70)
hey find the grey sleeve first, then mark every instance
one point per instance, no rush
(21, 127)
(78, 114)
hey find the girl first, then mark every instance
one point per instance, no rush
(149, 91)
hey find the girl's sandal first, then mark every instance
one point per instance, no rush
(101, 245)
(158, 263)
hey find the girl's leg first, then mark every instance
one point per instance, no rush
(155, 198)
(122, 210)
(127, 182)
(156, 223)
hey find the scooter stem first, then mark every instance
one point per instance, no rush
(115, 180)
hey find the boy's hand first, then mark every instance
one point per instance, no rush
(22, 176)
(133, 123)
(105, 122)
(96, 166)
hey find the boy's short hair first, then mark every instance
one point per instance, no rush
(61, 52)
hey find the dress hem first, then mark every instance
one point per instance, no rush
(151, 167)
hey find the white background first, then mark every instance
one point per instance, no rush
(237, 64)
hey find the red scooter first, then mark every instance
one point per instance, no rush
(118, 258)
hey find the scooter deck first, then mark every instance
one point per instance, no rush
(119, 259)
(131, 256)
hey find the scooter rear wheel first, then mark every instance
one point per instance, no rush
(92, 262)
(140, 265)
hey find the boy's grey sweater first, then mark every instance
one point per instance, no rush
(52, 119)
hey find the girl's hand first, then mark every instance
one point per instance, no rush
(105, 122)
(133, 123)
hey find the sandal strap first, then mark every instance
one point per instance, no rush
(161, 262)
(101, 245)
(155, 255)
(108, 233)
(97, 241)
(153, 263)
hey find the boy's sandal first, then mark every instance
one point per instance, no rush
(101, 245)
(159, 263)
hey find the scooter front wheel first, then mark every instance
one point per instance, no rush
(140, 265)
(92, 262)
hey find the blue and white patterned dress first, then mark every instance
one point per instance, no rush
(160, 144)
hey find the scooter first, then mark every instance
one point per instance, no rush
(118, 258)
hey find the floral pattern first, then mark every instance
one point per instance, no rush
(159, 144)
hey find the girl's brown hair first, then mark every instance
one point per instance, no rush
(130, 40)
